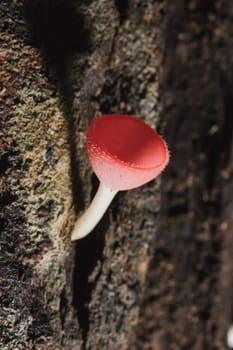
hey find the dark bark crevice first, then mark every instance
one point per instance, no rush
(58, 27)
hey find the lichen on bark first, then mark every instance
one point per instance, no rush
(36, 197)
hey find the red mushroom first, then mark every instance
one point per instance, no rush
(125, 153)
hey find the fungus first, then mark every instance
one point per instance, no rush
(125, 153)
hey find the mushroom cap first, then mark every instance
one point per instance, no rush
(125, 152)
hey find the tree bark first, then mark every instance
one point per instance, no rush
(156, 273)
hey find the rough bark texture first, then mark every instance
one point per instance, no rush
(149, 276)
(36, 197)
(188, 300)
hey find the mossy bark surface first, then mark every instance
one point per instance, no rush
(156, 273)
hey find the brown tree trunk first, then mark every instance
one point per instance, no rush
(156, 273)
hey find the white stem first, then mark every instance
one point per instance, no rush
(90, 218)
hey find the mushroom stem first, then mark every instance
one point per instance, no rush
(90, 218)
